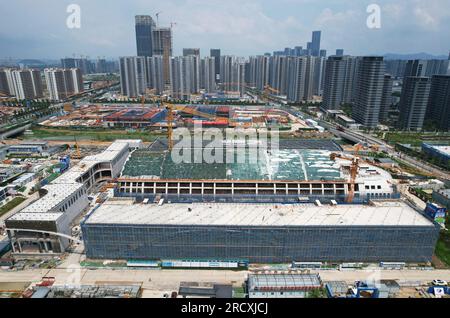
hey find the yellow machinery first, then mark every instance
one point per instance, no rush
(77, 154)
(357, 149)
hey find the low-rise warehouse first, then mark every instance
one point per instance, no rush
(384, 231)
(441, 153)
(282, 285)
(135, 118)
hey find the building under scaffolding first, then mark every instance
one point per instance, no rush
(388, 231)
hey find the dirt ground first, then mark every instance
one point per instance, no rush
(438, 264)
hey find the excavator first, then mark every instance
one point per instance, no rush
(354, 169)
(77, 154)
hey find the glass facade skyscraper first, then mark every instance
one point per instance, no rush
(215, 53)
(144, 28)
(315, 44)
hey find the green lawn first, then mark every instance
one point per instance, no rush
(239, 292)
(443, 248)
(415, 139)
(317, 293)
(11, 205)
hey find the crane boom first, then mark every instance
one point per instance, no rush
(354, 168)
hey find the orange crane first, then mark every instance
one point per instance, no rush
(354, 168)
(169, 126)
(357, 149)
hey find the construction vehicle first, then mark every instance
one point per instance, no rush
(354, 169)
(77, 154)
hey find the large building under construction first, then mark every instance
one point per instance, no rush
(260, 233)
(299, 171)
(291, 204)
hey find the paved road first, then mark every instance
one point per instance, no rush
(169, 280)
(402, 157)
(423, 166)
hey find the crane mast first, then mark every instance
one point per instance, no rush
(170, 117)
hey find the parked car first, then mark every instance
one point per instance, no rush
(439, 282)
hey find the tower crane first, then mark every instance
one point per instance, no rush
(170, 126)
(157, 18)
(354, 169)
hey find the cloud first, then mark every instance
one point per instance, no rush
(241, 27)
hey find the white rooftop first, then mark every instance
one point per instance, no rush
(46, 207)
(389, 214)
(62, 187)
(443, 149)
(88, 162)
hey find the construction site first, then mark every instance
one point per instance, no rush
(153, 117)
(253, 203)
(131, 204)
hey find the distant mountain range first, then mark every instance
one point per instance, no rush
(415, 56)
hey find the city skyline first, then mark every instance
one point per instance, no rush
(245, 28)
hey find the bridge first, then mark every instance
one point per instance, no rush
(14, 131)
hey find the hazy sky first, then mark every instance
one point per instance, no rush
(37, 28)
